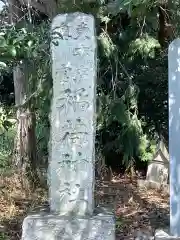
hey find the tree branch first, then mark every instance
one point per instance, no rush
(47, 7)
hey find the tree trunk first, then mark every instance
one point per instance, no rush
(166, 29)
(25, 144)
(20, 148)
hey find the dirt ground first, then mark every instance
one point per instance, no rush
(135, 209)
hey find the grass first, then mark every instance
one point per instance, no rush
(3, 236)
(6, 147)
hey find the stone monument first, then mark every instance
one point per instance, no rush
(174, 140)
(158, 167)
(72, 214)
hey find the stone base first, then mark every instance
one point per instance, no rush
(164, 235)
(153, 185)
(101, 226)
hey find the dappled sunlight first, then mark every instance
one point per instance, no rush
(135, 208)
(174, 134)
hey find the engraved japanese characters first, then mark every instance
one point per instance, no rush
(73, 115)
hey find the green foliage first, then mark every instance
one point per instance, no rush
(31, 45)
(3, 236)
(133, 7)
(131, 140)
(146, 148)
(145, 47)
(127, 76)
(6, 146)
(106, 44)
(132, 77)
(18, 43)
(119, 223)
(6, 120)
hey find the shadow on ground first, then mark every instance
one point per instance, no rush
(136, 210)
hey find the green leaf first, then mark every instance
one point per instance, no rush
(24, 30)
(119, 112)
(12, 51)
(18, 39)
(3, 65)
(2, 42)
(6, 124)
(114, 7)
(30, 43)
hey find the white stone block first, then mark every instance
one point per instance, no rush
(165, 235)
(54, 227)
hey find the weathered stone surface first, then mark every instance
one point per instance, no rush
(52, 227)
(174, 135)
(158, 167)
(144, 235)
(153, 185)
(157, 172)
(72, 160)
(164, 235)
(73, 114)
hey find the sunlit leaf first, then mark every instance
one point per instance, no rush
(2, 42)
(3, 65)
(30, 43)
(12, 51)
